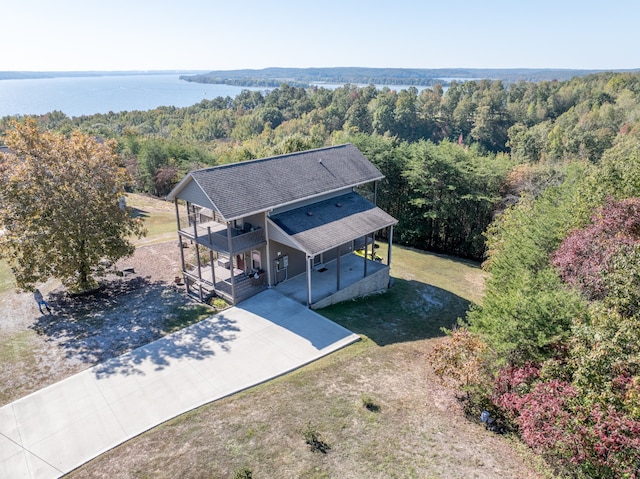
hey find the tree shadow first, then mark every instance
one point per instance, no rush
(409, 311)
(198, 342)
(123, 315)
(138, 213)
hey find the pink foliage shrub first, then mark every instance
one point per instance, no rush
(586, 253)
(589, 440)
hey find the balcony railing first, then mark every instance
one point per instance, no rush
(214, 236)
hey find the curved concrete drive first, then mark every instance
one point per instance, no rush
(57, 429)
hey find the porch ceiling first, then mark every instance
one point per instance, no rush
(325, 225)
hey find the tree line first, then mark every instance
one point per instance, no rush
(554, 346)
(448, 153)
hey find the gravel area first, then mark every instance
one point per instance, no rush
(127, 312)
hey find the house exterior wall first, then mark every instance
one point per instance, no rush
(373, 283)
(194, 194)
(255, 220)
(297, 261)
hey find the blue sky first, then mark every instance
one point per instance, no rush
(216, 35)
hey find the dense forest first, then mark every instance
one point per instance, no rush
(452, 157)
(541, 180)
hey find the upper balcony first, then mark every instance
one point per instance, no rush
(215, 236)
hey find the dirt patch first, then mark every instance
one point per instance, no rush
(126, 312)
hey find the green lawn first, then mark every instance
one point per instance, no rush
(6, 278)
(159, 217)
(429, 292)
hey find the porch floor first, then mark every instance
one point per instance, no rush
(323, 284)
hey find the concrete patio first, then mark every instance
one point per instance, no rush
(324, 283)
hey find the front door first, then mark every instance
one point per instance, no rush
(240, 261)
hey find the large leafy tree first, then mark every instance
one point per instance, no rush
(60, 213)
(526, 310)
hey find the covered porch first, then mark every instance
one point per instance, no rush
(222, 279)
(217, 255)
(337, 280)
(325, 233)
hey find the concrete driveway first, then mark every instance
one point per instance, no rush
(55, 430)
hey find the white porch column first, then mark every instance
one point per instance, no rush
(366, 249)
(338, 268)
(231, 269)
(390, 245)
(268, 248)
(309, 267)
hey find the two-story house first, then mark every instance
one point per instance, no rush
(292, 222)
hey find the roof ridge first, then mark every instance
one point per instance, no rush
(268, 158)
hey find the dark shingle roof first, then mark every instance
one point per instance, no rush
(249, 187)
(330, 223)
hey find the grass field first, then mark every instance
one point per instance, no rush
(6, 278)
(159, 218)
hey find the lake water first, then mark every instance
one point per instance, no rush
(101, 94)
(76, 96)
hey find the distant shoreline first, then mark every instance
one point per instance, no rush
(334, 75)
(36, 75)
(384, 76)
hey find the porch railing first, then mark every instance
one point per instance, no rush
(215, 236)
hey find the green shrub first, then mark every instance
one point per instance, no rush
(370, 404)
(314, 441)
(242, 473)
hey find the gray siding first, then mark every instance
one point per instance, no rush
(194, 194)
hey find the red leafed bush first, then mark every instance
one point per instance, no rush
(586, 441)
(587, 253)
(543, 414)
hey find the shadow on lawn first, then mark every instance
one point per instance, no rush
(408, 311)
(138, 213)
(124, 315)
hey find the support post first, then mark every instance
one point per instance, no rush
(268, 248)
(338, 268)
(184, 268)
(198, 261)
(175, 202)
(390, 245)
(231, 269)
(366, 250)
(309, 267)
(195, 229)
(213, 271)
